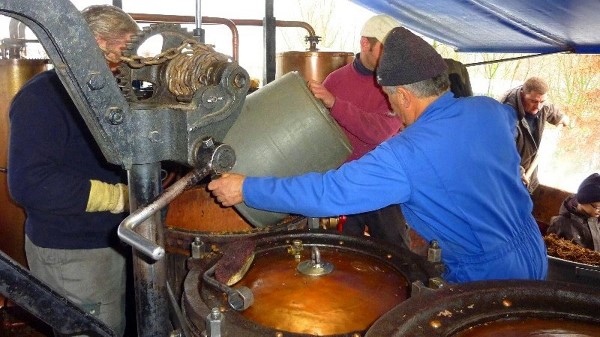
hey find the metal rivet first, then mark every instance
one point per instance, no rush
(115, 116)
(239, 80)
(154, 136)
(96, 81)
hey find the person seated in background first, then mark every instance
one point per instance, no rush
(529, 102)
(578, 215)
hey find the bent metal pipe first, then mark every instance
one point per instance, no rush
(212, 159)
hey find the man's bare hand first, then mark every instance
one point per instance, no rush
(320, 92)
(525, 179)
(228, 189)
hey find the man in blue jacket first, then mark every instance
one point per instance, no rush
(454, 170)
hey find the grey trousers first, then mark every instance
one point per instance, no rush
(92, 278)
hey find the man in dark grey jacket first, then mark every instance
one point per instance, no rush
(529, 102)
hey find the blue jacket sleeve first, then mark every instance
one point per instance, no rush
(371, 182)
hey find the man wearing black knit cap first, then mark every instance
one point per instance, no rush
(454, 171)
(578, 216)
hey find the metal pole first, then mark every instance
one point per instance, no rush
(269, 38)
(198, 31)
(150, 277)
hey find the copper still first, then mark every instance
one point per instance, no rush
(339, 291)
(515, 308)
(196, 210)
(312, 65)
(347, 299)
(14, 73)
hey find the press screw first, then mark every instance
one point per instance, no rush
(198, 248)
(434, 252)
(213, 323)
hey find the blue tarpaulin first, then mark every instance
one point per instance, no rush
(502, 26)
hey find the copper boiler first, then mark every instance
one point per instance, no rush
(14, 73)
(362, 280)
(312, 65)
(516, 308)
(196, 210)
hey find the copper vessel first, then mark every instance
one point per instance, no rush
(312, 65)
(531, 327)
(195, 215)
(459, 310)
(14, 73)
(350, 298)
(367, 279)
(196, 210)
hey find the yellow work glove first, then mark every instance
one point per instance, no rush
(107, 197)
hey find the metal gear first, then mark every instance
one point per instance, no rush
(145, 71)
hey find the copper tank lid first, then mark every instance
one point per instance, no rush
(459, 308)
(357, 281)
(348, 294)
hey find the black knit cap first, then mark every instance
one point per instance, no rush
(407, 59)
(589, 190)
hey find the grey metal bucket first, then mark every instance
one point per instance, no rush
(284, 131)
